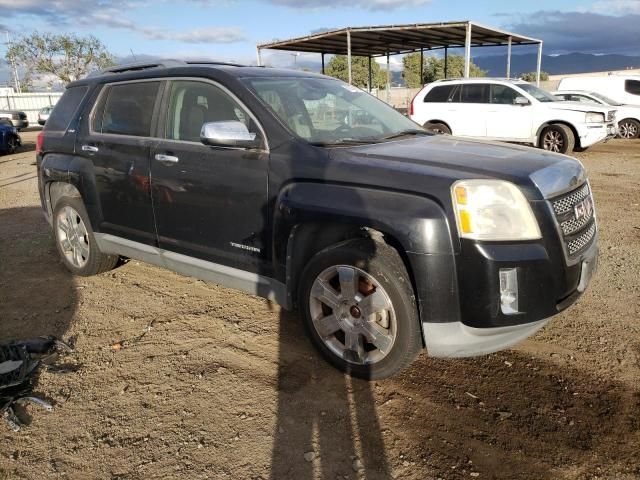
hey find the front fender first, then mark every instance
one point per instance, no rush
(417, 224)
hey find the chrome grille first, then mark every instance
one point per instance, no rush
(577, 233)
(566, 204)
(573, 224)
(577, 244)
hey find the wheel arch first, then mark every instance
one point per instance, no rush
(558, 122)
(431, 122)
(66, 175)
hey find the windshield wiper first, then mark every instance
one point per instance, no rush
(344, 141)
(413, 131)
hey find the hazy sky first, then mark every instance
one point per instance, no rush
(230, 29)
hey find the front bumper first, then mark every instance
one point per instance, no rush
(452, 340)
(591, 134)
(547, 285)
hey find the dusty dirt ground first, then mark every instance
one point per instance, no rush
(225, 385)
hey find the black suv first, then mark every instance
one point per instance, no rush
(307, 191)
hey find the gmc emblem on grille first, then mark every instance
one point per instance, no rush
(583, 209)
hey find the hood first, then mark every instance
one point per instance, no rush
(455, 158)
(580, 107)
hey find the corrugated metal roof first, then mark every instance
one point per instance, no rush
(394, 39)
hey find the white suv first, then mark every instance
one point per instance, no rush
(511, 111)
(628, 115)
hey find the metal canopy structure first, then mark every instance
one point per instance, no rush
(386, 40)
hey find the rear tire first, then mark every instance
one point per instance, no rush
(12, 145)
(359, 308)
(557, 138)
(629, 128)
(437, 128)
(75, 240)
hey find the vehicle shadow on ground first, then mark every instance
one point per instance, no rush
(37, 294)
(503, 416)
(327, 426)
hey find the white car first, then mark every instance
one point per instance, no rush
(628, 115)
(622, 88)
(511, 111)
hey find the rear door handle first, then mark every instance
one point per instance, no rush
(166, 159)
(90, 148)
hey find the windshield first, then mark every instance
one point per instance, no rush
(537, 93)
(607, 100)
(325, 111)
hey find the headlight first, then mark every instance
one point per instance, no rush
(594, 117)
(493, 210)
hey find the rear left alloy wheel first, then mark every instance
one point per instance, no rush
(359, 308)
(75, 240)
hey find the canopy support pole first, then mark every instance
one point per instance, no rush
(467, 52)
(370, 76)
(421, 66)
(259, 56)
(349, 56)
(388, 79)
(509, 58)
(323, 63)
(539, 66)
(446, 62)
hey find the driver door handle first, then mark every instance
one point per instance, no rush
(90, 148)
(166, 159)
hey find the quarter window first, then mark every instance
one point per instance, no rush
(632, 87)
(440, 94)
(127, 109)
(65, 109)
(193, 104)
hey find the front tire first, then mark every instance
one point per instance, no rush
(437, 128)
(557, 138)
(75, 240)
(629, 129)
(359, 308)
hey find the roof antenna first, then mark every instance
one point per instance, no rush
(135, 59)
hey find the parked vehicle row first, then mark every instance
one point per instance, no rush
(628, 115)
(511, 111)
(305, 190)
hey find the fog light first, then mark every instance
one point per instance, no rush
(509, 290)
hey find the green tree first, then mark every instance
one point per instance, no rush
(433, 69)
(531, 76)
(64, 57)
(338, 68)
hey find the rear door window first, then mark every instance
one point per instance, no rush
(127, 109)
(632, 87)
(475, 93)
(66, 108)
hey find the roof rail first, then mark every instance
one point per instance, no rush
(133, 67)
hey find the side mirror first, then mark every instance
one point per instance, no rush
(229, 133)
(522, 101)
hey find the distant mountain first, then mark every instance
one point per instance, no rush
(496, 65)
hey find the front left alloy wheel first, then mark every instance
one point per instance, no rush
(360, 310)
